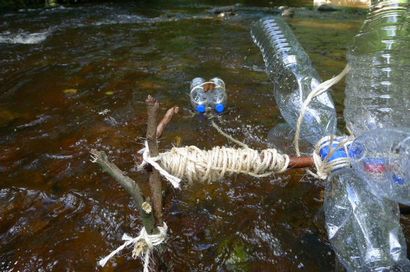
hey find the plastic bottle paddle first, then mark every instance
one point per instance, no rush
(377, 96)
(294, 77)
(291, 71)
(377, 92)
(382, 156)
(363, 229)
(377, 87)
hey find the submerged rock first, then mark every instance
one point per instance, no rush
(225, 9)
(327, 7)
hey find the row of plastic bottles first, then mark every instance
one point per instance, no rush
(208, 95)
(361, 210)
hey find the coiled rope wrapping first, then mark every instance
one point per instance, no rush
(194, 164)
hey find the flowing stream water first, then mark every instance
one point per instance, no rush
(75, 78)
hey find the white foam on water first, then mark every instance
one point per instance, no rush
(23, 37)
(122, 19)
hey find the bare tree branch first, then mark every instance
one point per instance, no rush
(128, 184)
(301, 162)
(154, 177)
(166, 120)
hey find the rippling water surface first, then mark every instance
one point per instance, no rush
(75, 78)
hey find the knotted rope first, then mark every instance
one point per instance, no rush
(320, 89)
(330, 154)
(143, 244)
(153, 161)
(326, 162)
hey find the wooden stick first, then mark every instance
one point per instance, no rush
(301, 162)
(154, 177)
(128, 184)
(166, 120)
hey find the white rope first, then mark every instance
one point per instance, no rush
(148, 240)
(328, 164)
(322, 88)
(227, 136)
(153, 161)
(194, 164)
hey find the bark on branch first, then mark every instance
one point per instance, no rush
(154, 177)
(166, 120)
(301, 162)
(128, 184)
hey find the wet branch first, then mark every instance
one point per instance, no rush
(154, 177)
(301, 162)
(128, 184)
(166, 120)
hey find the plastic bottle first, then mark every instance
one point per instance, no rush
(294, 77)
(218, 97)
(377, 92)
(382, 158)
(291, 71)
(198, 96)
(364, 230)
(377, 97)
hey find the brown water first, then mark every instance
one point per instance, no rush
(75, 78)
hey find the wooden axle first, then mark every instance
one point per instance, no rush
(301, 162)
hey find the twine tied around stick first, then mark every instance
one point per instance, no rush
(196, 164)
(324, 166)
(175, 181)
(320, 89)
(143, 244)
(330, 154)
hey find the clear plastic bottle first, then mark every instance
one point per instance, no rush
(377, 92)
(294, 77)
(199, 98)
(218, 97)
(377, 97)
(291, 71)
(382, 158)
(364, 230)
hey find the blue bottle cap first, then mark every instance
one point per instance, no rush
(335, 150)
(201, 108)
(219, 108)
(356, 151)
(398, 180)
(337, 154)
